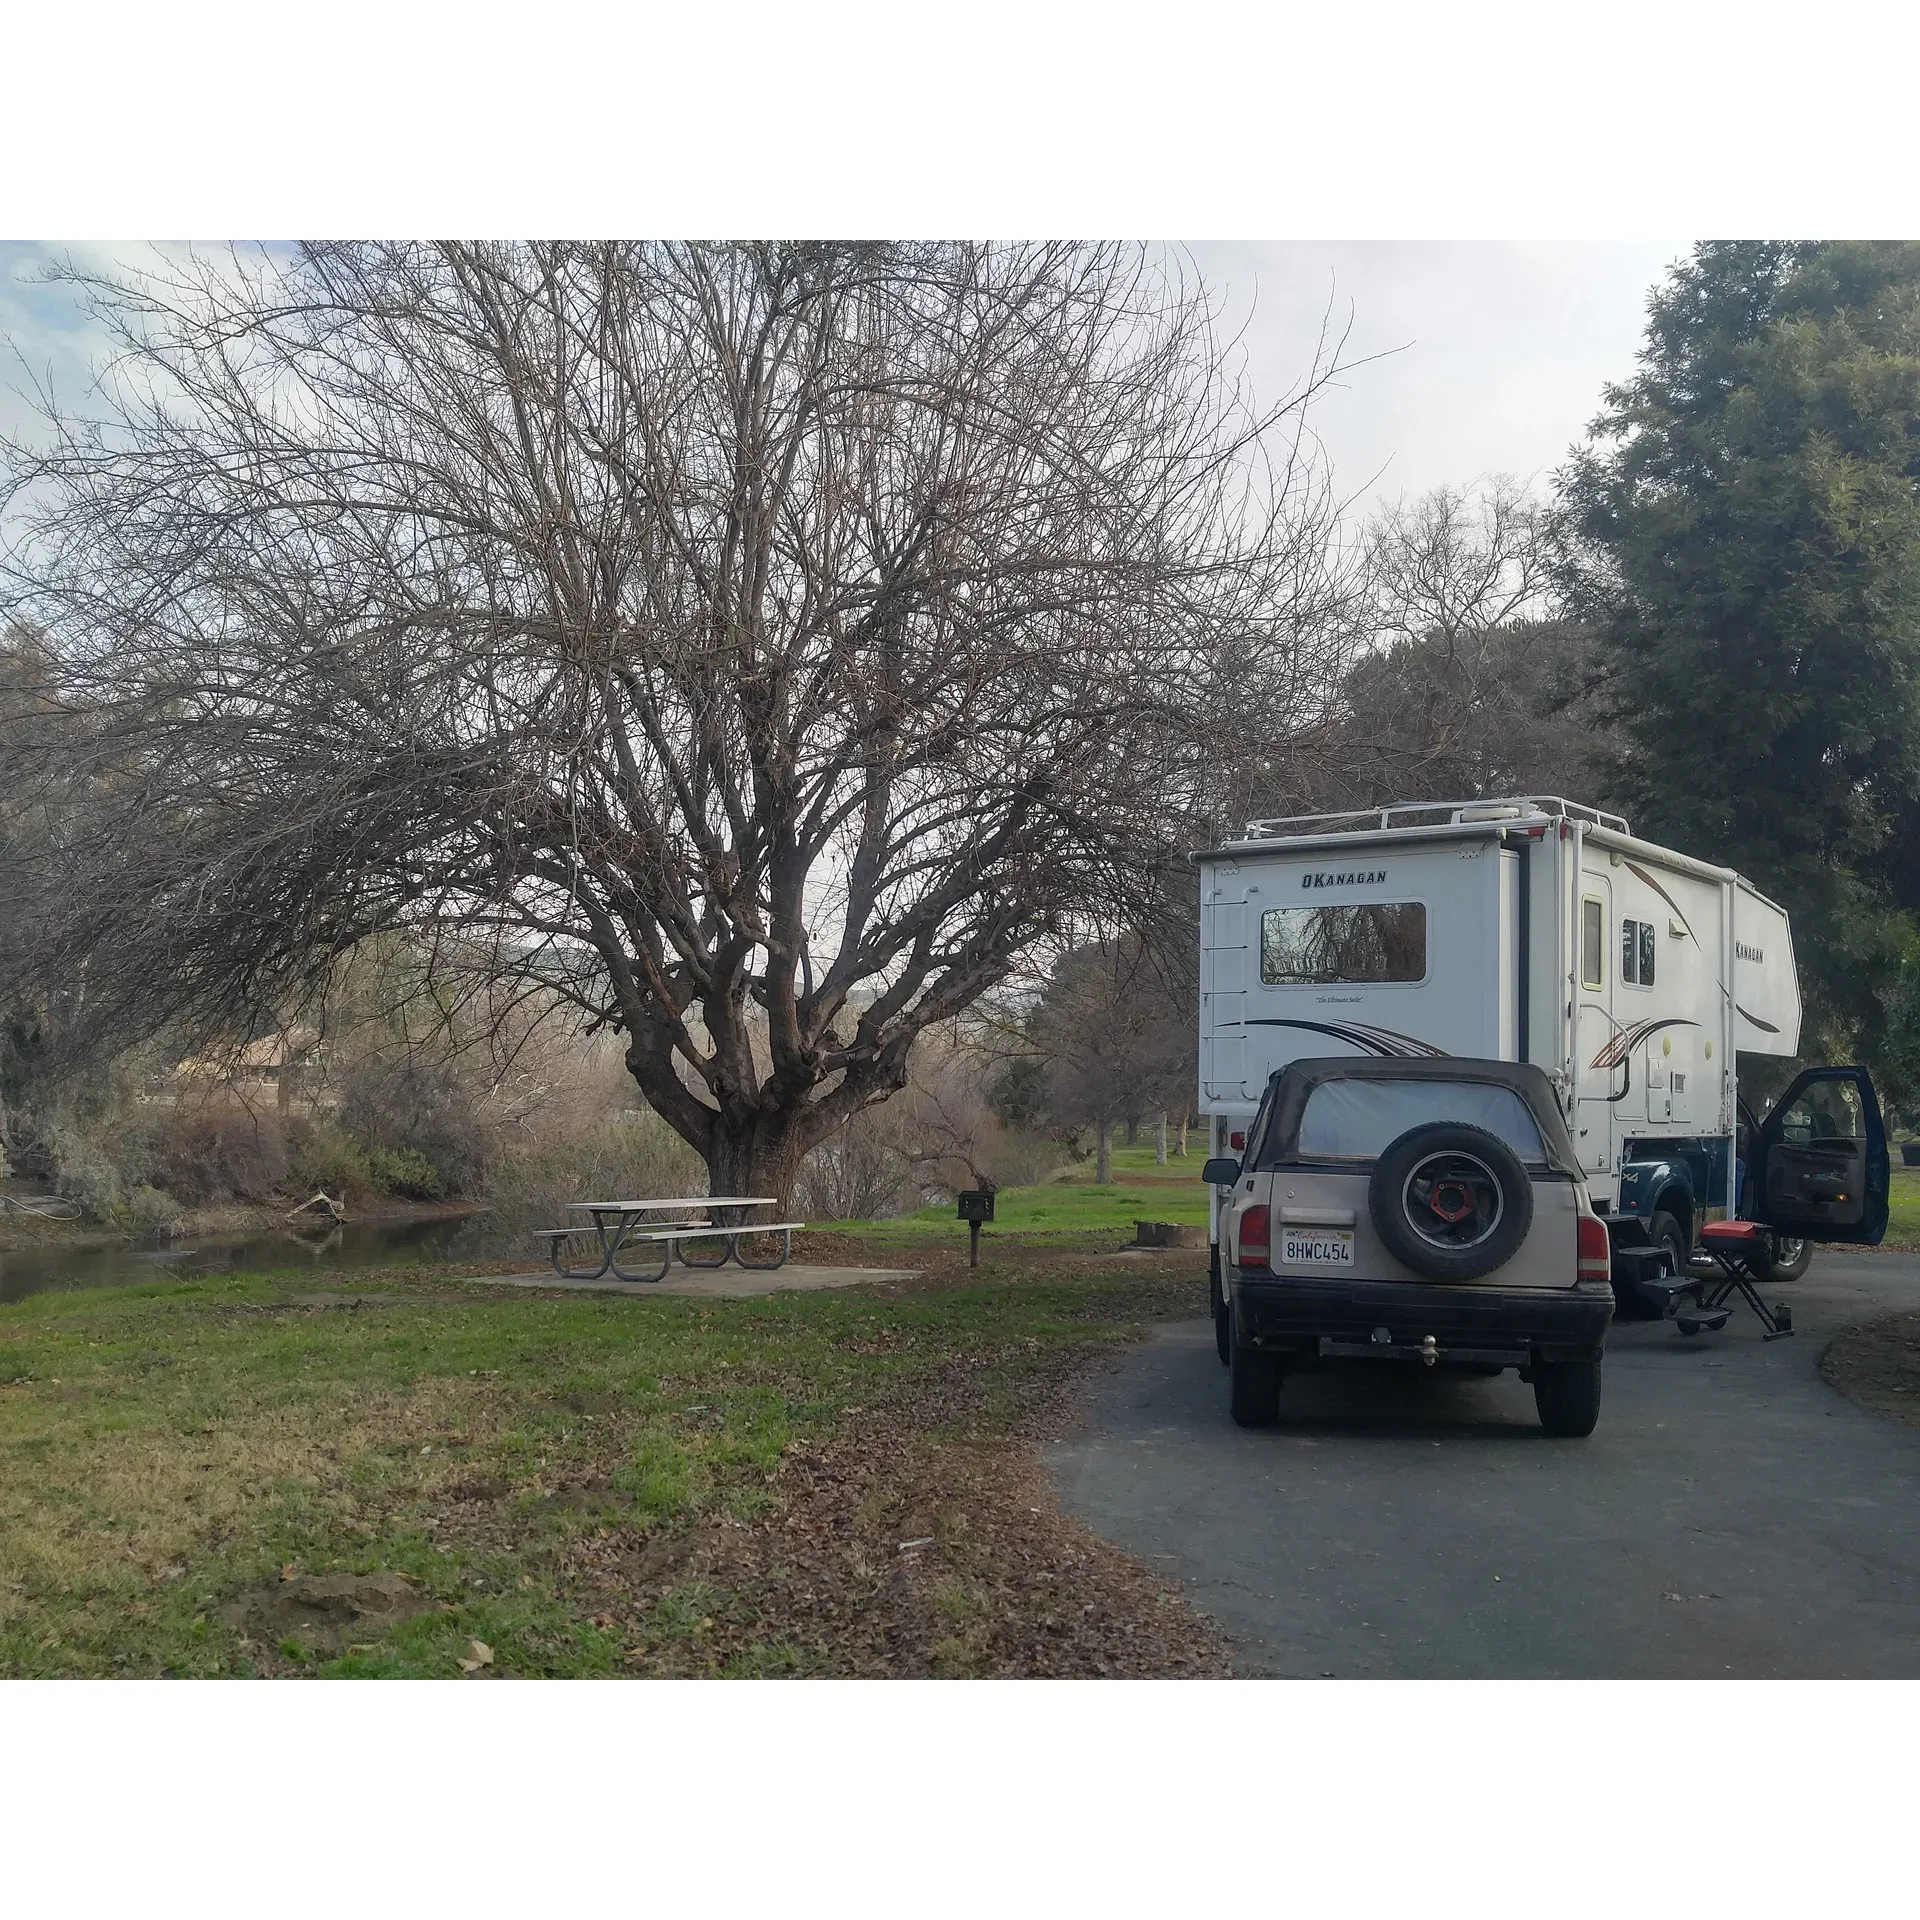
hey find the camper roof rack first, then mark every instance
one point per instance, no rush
(1457, 812)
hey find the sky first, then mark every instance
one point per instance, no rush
(1492, 355)
(1481, 356)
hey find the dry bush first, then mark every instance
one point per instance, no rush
(862, 1171)
(534, 1179)
(1022, 1157)
(941, 1134)
(427, 1116)
(221, 1151)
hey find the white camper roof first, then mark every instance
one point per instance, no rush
(1404, 820)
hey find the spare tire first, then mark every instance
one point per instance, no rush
(1451, 1201)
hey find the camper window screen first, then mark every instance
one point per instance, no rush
(1343, 946)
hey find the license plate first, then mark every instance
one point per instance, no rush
(1316, 1246)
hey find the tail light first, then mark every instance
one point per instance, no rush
(1236, 1141)
(1255, 1238)
(1596, 1250)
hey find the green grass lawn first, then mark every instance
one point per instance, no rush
(167, 1451)
(1903, 1205)
(1069, 1209)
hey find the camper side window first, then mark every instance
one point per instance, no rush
(1593, 944)
(1636, 952)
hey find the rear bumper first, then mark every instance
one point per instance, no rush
(1465, 1323)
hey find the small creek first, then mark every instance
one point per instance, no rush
(357, 1243)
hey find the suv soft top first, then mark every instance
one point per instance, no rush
(1290, 1087)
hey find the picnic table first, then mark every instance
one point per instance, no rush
(620, 1224)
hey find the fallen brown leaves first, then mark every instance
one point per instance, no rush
(1879, 1365)
(892, 1560)
(909, 1545)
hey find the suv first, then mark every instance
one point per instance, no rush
(1421, 1209)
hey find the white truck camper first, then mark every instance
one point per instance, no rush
(1527, 929)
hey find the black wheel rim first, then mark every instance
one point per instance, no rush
(1452, 1201)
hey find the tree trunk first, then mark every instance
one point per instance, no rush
(1133, 1129)
(761, 1164)
(1103, 1166)
(1183, 1135)
(1160, 1141)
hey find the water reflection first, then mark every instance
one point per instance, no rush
(356, 1243)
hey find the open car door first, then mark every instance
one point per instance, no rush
(1819, 1160)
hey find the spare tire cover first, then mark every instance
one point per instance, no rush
(1451, 1201)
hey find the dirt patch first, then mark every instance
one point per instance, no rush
(879, 1566)
(1879, 1366)
(323, 1612)
(482, 1491)
(912, 1544)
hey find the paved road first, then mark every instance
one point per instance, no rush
(1732, 1515)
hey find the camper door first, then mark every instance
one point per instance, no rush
(1605, 1069)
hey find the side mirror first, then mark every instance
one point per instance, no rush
(1220, 1172)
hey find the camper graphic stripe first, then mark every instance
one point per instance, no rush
(1382, 1042)
(1628, 1038)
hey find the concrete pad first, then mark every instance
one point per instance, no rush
(719, 1283)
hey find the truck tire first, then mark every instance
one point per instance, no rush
(1787, 1258)
(1253, 1383)
(1663, 1230)
(1222, 1328)
(1450, 1201)
(1567, 1395)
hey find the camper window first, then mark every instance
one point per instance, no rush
(1343, 946)
(1636, 952)
(1592, 944)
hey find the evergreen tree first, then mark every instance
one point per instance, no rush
(1746, 538)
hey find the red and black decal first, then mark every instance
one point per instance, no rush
(1623, 1043)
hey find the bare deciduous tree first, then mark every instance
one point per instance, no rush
(1460, 677)
(761, 645)
(1115, 1036)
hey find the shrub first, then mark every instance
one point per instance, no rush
(858, 1173)
(84, 1174)
(426, 1113)
(1020, 1157)
(151, 1213)
(323, 1159)
(221, 1153)
(533, 1182)
(403, 1171)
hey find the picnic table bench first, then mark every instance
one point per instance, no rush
(620, 1224)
